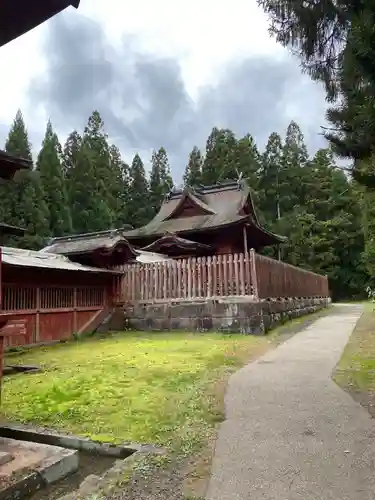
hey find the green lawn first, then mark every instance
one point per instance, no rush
(356, 368)
(161, 388)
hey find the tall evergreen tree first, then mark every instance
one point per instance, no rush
(220, 159)
(335, 43)
(120, 173)
(269, 178)
(85, 203)
(53, 184)
(25, 205)
(193, 171)
(71, 148)
(294, 159)
(161, 181)
(95, 140)
(246, 160)
(140, 210)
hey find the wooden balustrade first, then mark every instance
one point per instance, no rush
(218, 276)
(32, 298)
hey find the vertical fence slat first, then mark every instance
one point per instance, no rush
(189, 278)
(209, 277)
(199, 274)
(201, 277)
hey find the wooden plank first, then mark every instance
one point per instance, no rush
(209, 277)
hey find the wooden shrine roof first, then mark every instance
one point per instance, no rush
(86, 243)
(45, 260)
(219, 206)
(11, 230)
(172, 240)
(10, 164)
(17, 17)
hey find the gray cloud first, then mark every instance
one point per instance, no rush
(144, 102)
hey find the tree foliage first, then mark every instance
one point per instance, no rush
(48, 167)
(327, 217)
(335, 41)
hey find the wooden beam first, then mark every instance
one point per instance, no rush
(245, 240)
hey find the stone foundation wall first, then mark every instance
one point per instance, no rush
(231, 314)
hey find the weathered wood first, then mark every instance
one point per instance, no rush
(204, 277)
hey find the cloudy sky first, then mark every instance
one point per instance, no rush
(160, 73)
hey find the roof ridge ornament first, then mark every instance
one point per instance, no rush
(239, 179)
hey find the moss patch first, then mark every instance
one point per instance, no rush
(151, 388)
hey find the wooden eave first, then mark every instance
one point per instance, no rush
(172, 240)
(10, 164)
(105, 251)
(17, 17)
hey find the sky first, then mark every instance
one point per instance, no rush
(161, 74)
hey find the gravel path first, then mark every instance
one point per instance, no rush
(291, 433)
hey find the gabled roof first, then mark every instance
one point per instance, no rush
(9, 165)
(227, 204)
(78, 244)
(17, 17)
(189, 195)
(172, 240)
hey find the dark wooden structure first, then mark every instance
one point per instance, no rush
(9, 326)
(51, 297)
(103, 249)
(17, 17)
(210, 220)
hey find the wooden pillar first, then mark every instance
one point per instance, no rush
(37, 317)
(253, 270)
(244, 239)
(75, 319)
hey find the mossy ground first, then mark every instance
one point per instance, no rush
(145, 387)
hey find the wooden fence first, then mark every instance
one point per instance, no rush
(278, 279)
(50, 313)
(219, 276)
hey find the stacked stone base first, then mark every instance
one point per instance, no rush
(230, 314)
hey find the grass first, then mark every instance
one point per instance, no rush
(146, 387)
(355, 371)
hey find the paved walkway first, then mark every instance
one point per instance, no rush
(291, 433)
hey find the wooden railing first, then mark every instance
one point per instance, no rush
(278, 279)
(219, 276)
(32, 298)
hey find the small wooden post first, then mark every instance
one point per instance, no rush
(253, 269)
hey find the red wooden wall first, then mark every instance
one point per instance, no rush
(53, 305)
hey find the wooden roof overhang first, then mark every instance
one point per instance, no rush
(10, 164)
(171, 244)
(105, 257)
(17, 17)
(6, 229)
